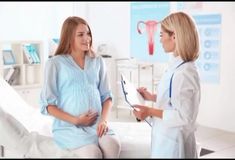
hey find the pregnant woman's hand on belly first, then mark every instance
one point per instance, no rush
(87, 119)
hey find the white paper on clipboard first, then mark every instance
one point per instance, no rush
(132, 96)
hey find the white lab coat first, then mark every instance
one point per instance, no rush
(173, 135)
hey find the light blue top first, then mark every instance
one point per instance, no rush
(75, 91)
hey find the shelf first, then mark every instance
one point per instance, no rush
(26, 59)
(136, 72)
(23, 75)
(38, 85)
(124, 107)
(10, 66)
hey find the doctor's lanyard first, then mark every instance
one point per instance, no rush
(172, 78)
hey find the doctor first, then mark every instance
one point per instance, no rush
(178, 93)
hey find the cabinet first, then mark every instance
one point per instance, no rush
(27, 75)
(30, 95)
(138, 73)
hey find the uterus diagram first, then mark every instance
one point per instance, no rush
(151, 28)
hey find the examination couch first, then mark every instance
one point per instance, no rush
(25, 133)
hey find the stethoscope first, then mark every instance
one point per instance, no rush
(170, 89)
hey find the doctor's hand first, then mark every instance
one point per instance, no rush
(146, 94)
(102, 128)
(141, 112)
(87, 119)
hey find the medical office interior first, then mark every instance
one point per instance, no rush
(35, 26)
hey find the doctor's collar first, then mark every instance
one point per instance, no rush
(174, 61)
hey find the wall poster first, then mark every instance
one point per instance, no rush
(145, 30)
(209, 27)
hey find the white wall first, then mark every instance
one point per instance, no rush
(217, 108)
(110, 22)
(33, 20)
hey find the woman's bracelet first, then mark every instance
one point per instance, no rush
(104, 121)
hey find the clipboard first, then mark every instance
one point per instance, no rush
(132, 96)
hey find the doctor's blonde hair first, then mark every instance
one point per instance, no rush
(186, 35)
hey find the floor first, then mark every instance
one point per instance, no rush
(215, 143)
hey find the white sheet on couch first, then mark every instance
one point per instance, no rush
(30, 132)
(29, 117)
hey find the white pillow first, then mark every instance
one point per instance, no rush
(13, 133)
(14, 136)
(31, 118)
(12, 103)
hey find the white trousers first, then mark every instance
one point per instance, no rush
(109, 147)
